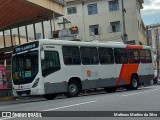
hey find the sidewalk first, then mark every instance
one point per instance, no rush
(7, 98)
(11, 100)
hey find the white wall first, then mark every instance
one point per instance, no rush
(104, 17)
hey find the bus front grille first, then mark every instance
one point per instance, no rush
(24, 93)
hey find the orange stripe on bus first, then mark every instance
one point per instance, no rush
(128, 69)
(126, 72)
(120, 74)
(139, 47)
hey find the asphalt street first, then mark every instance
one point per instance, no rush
(143, 99)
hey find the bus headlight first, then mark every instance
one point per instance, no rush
(35, 83)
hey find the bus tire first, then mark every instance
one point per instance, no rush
(111, 89)
(50, 96)
(134, 83)
(73, 89)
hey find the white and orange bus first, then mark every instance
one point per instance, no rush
(50, 67)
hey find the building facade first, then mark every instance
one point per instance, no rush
(106, 20)
(153, 37)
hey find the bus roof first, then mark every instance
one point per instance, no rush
(94, 44)
(30, 45)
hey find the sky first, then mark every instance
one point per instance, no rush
(151, 12)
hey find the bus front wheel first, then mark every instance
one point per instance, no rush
(50, 96)
(73, 89)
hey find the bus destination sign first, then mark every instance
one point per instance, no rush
(25, 47)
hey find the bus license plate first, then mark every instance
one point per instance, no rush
(23, 95)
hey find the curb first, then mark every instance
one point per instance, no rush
(7, 98)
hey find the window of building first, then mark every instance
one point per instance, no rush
(145, 56)
(89, 55)
(141, 27)
(113, 5)
(133, 56)
(120, 55)
(106, 55)
(71, 10)
(94, 29)
(71, 55)
(115, 26)
(92, 9)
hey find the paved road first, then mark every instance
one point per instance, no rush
(143, 99)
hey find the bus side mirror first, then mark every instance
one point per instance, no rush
(42, 55)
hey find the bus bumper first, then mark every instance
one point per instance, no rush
(39, 90)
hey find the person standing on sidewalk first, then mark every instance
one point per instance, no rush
(155, 81)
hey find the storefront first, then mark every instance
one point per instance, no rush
(5, 70)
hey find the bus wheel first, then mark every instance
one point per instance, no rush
(73, 89)
(134, 84)
(110, 90)
(50, 96)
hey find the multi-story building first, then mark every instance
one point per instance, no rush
(153, 34)
(106, 20)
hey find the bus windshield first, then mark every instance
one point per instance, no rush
(24, 67)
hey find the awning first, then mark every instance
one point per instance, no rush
(16, 13)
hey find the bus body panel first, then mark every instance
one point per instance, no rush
(95, 76)
(146, 71)
(126, 71)
(58, 82)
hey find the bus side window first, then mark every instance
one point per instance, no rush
(89, 55)
(106, 55)
(145, 56)
(51, 63)
(133, 56)
(71, 55)
(120, 56)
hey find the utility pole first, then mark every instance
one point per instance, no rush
(124, 23)
(83, 2)
(65, 21)
(156, 31)
(147, 33)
